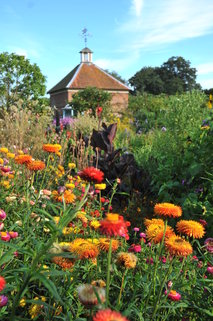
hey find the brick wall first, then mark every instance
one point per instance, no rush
(119, 101)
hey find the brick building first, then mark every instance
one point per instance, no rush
(87, 74)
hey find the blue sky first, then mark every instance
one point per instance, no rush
(126, 35)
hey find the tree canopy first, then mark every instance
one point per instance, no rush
(90, 98)
(173, 76)
(19, 79)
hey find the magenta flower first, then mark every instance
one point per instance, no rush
(150, 261)
(209, 244)
(2, 215)
(3, 300)
(135, 248)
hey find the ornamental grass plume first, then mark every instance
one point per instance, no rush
(92, 174)
(36, 165)
(155, 232)
(23, 159)
(190, 228)
(108, 315)
(51, 148)
(177, 246)
(104, 244)
(127, 260)
(167, 210)
(90, 295)
(114, 225)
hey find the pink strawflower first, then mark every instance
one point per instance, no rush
(136, 229)
(143, 235)
(135, 248)
(210, 269)
(3, 215)
(13, 235)
(5, 236)
(173, 295)
(163, 259)
(195, 258)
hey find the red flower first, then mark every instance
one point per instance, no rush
(92, 174)
(2, 283)
(99, 111)
(114, 225)
(108, 315)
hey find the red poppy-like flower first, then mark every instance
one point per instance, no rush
(99, 111)
(114, 225)
(108, 315)
(2, 283)
(92, 174)
(173, 295)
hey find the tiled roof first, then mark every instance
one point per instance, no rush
(88, 75)
(63, 83)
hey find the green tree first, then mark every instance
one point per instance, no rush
(174, 76)
(19, 79)
(116, 76)
(89, 99)
(178, 76)
(147, 80)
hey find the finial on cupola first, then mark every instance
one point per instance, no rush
(86, 53)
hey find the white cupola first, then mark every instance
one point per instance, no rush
(86, 55)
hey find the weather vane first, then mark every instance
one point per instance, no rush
(85, 34)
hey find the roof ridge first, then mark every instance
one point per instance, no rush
(75, 75)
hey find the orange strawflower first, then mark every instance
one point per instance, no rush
(63, 262)
(108, 315)
(191, 228)
(128, 260)
(104, 244)
(157, 221)
(168, 210)
(155, 232)
(84, 249)
(23, 159)
(51, 148)
(177, 246)
(68, 196)
(36, 165)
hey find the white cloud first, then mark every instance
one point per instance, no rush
(163, 22)
(204, 69)
(136, 7)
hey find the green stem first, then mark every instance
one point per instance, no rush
(122, 287)
(108, 271)
(161, 289)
